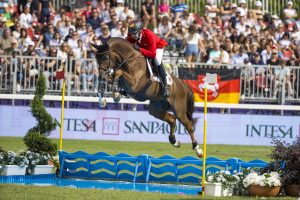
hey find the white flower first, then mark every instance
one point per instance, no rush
(210, 178)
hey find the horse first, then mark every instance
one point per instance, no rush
(128, 67)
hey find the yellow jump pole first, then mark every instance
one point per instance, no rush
(62, 114)
(204, 140)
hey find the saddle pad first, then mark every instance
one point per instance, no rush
(156, 78)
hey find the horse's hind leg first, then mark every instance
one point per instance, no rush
(159, 111)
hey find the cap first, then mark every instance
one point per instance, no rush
(258, 4)
(242, 1)
(233, 5)
(274, 51)
(120, 1)
(275, 17)
(290, 3)
(3, 19)
(88, 3)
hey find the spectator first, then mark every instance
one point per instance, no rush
(119, 8)
(226, 12)
(242, 9)
(66, 28)
(266, 54)
(56, 41)
(255, 60)
(123, 32)
(24, 40)
(165, 28)
(187, 19)
(163, 10)
(178, 10)
(290, 14)
(105, 36)
(214, 56)
(193, 41)
(126, 12)
(105, 14)
(211, 9)
(241, 25)
(239, 58)
(113, 22)
(94, 19)
(148, 14)
(224, 57)
(44, 10)
(282, 76)
(17, 30)
(87, 12)
(178, 37)
(6, 41)
(26, 18)
(116, 32)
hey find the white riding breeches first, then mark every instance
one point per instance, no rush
(159, 56)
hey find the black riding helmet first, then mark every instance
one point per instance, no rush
(135, 27)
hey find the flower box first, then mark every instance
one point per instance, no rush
(9, 170)
(293, 190)
(43, 169)
(216, 190)
(263, 191)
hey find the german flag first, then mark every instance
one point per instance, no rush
(226, 90)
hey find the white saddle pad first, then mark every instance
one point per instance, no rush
(156, 78)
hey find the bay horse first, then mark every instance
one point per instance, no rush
(129, 67)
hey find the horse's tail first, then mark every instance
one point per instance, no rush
(190, 106)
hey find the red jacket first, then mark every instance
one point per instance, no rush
(149, 43)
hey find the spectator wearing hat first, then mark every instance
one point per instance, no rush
(148, 14)
(256, 59)
(119, 8)
(289, 13)
(105, 35)
(234, 16)
(257, 11)
(276, 21)
(243, 7)
(13, 47)
(211, 9)
(26, 18)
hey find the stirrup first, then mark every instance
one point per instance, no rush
(122, 92)
(165, 91)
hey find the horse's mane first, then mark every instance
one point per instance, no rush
(119, 40)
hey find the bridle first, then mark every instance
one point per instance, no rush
(110, 71)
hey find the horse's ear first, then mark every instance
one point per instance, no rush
(98, 47)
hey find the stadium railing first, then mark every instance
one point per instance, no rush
(18, 75)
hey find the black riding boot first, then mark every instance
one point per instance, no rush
(162, 74)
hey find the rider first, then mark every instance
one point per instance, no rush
(151, 46)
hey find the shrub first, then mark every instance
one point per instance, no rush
(285, 159)
(35, 138)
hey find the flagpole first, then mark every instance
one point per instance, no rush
(62, 114)
(204, 139)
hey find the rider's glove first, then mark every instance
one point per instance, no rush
(137, 47)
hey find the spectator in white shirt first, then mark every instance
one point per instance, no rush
(239, 58)
(290, 14)
(126, 12)
(164, 28)
(26, 18)
(73, 41)
(116, 32)
(241, 25)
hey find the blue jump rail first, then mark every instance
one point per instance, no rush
(100, 165)
(145, 168)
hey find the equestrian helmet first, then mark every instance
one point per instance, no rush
(135, 27)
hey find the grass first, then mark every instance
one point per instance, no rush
(24, 192)
(151, 148)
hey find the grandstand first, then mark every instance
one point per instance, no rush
(235, 35)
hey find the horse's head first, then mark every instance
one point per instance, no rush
(103, 56)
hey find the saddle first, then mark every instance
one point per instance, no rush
(154, 75)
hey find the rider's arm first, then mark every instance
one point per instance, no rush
(150, 42)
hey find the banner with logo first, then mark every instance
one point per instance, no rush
(140, 126)
(226, 90)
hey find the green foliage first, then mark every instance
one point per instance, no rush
(286, 160)
(35, 138)
(39, 143)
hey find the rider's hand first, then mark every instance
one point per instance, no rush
(137, 47)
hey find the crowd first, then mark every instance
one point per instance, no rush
(227, 34)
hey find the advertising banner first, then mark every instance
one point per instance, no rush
(140, 126)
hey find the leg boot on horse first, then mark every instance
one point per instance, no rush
(162, 74)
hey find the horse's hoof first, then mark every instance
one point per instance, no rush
(199, 152)
(177, 144)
